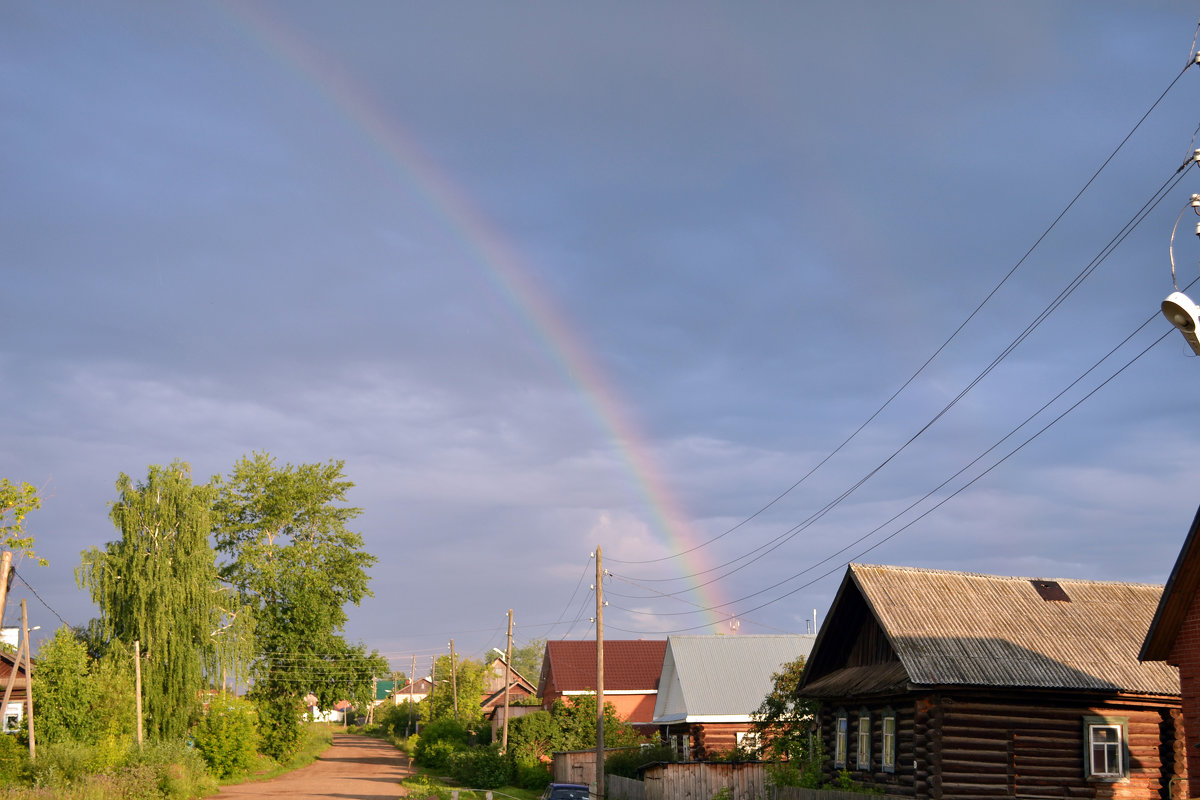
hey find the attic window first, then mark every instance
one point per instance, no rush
(1050, 590)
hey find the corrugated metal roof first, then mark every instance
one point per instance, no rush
(722, 676)
(959, 628)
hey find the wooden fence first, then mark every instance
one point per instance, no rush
(703, 781)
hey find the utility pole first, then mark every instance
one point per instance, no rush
(453, 680)
(28, 679)
(137, 683)
(411, 679)
(507, 683)
(599, 677)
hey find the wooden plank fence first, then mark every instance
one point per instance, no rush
(703, 781)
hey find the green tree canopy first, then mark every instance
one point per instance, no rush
(784, 719)
(158, 584)
(16, 501)
(292, 558)
(527, 659)
(469, 680)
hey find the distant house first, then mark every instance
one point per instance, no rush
(941, 684)
(712, 685)
(631, 671)
(1174, 637)
(14, 712)
(416, 691)
(519, 688)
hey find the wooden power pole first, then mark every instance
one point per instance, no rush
(453, 680)
(28, 678)
(507, 683)
(599, 677)
(137, 683)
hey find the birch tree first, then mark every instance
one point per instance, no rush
(158, 584)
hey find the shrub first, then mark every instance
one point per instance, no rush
(60, 764)
(179, 771)
(226, 737)
(626, 762)
(532, 775)
(14, 760)
(480, 767)
(439, 740)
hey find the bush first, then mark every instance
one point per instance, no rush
(60, 764)
(531, 775)
(179, 771)
(626, 762)
(480, 768)
(14, 760)
(226, 737)
(439, 740)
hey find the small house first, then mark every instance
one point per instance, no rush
(711, 686)
(631, 671)
(937, 684)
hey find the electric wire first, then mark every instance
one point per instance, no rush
(939, 504)
(939, 350)
(761, 551)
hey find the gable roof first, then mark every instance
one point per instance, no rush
(964, 629)
(1176, 599)
(630, 665)
(721, 678)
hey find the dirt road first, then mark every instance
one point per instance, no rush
(354, 768)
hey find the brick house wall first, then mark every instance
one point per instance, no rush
(1185, 654)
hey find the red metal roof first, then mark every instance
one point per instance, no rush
(629, 664)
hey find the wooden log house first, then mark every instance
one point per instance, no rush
(937, 684)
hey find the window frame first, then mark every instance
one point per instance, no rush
(14, 711)
(1093, 724)
(841, 732)
(887, 756)
(863, 750)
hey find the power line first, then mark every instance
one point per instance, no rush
(1191, 60)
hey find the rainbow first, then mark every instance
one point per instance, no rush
(502, 266)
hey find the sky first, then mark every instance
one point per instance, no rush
(731, 294)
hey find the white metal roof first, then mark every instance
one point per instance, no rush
(722, 678)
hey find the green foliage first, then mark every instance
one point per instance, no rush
(14, 761)
(567, 726)
(66, 692)
(527, 659)
(469, 678)
(627, 762)
(480, 767)
(158, 585)
(293, 561)
(439, 740)
(423, 786)
(784, 720)
(534, 775)
(226, 736)
(724, 793)
(397, 720)
(16, 501)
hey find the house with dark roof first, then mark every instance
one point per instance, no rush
(14, 684)
(937, 684)
(1174, 638)
(631, 671)
(712, 685)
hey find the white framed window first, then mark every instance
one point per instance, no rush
(841, 725)
(1105, 741)
(864, 740)
(887, 756)
(13, 713)
(748, 741)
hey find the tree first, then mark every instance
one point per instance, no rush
(527, 659)
(16, 501)
(469, 678)
(158, 585)
(292, 559)
(784, 719)
(65, 692)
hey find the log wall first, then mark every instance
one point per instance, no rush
(983, 748)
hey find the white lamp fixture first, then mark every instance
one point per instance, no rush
(1179, 309)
